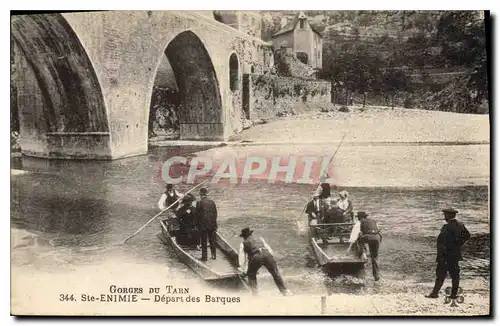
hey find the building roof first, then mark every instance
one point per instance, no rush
(290, 26)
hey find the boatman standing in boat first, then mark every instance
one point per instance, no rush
(370, 234)
(169, 197)
(206, 212)
(253, 254)
(450, 240)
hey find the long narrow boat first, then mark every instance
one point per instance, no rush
(224, 269)
(330, 247)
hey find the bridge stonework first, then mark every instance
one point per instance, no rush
(85, 80)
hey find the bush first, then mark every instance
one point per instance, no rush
(408, 102)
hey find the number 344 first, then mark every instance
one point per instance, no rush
(66, 297)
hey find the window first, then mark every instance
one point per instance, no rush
(233, 72)
(302, 23)
(303, 57)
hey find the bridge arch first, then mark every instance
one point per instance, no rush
(59, 94)
(200, 110)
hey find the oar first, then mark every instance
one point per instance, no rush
(298, 223)
(171, 205)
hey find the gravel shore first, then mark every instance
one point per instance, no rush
(374, 124)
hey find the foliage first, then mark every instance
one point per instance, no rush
(462, 38)
(358, 69)
(388, 64)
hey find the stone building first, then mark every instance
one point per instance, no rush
(248, 22)
(302, 39)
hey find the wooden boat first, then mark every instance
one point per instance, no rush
(330, 247)
(224, 269)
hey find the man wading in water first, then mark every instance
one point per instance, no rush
(255, 253)
(370, 234)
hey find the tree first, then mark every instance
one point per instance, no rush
(462, 37)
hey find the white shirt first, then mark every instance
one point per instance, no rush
(316, 205)
(163, 199)
(243, 257)
(343, 204)
(355, 232)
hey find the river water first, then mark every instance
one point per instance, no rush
(79, 210)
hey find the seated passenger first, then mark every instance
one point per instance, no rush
(314, 207)
(314, 211)
(186, 215)
(345, 204)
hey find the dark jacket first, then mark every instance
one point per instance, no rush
(450, 240)
(319, 211)
(251, 245)
(206, 212)
(186, 217)
(369, 226)
(171, 198)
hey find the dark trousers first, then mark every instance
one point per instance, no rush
(264, 258)
(210, 236)
(373, 241)
(444, 267)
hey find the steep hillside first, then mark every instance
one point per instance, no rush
(380, 31)
(369, 24)
(434, 59)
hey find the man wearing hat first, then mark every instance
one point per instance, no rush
(207, 223)
(450, 240)
(169, 197)
(315, 209)
(370, 234)
(255, 253)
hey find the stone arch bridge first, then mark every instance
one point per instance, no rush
(84, 80)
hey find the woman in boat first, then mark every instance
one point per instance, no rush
(186, 216)
(345, 204)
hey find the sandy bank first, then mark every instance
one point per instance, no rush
(374, 124)
(382, 147)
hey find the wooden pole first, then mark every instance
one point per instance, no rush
(323, 305)
(154, 217)
(303, 210)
